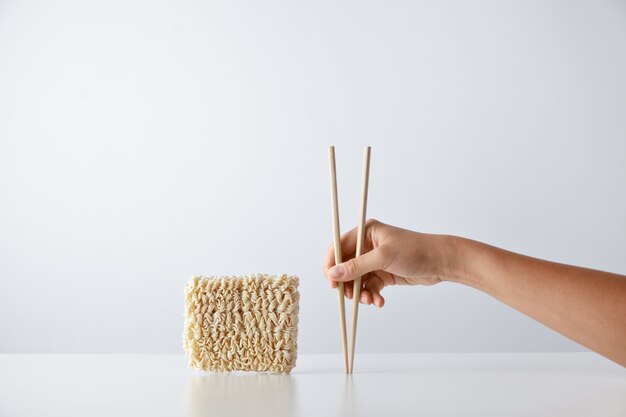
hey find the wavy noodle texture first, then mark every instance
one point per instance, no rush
(242, 323)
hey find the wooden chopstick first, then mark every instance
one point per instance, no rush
(338, 260)
(356, 285)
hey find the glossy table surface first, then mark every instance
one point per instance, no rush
(525, 384)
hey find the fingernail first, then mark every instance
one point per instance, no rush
(336, 271)
(377, 302)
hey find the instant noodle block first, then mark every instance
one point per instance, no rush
(246, 323)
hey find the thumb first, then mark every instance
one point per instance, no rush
(361, 265)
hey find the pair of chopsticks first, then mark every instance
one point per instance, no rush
(356, 285)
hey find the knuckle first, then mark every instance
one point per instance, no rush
(371, 222)
(352, 266)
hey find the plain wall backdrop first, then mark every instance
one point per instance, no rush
(143, 142)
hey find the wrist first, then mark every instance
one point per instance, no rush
(466, 261)
(455, 259)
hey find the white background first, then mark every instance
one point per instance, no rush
(142, 142)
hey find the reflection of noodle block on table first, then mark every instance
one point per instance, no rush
(242, 323)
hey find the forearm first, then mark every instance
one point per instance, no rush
(585, 305)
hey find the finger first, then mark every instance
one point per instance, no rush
(374, 285)
(347, 289)
(378, 300)
(366, 297)
(329, 259)
(348, 244)
(359, 266)
(333, 284)
(348, 239)
(348, 247)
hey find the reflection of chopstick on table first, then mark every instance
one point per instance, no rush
(356, 285)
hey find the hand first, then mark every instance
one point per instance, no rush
(583, 304)
(391, 256)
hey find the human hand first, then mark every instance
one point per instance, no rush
(391, 256)
(583, 304)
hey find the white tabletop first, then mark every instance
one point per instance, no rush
(539, 384)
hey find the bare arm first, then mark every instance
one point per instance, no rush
(586, 305)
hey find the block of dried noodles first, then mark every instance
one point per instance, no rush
(247, 323)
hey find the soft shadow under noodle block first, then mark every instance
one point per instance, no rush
(247, 323)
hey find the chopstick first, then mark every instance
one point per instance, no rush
(356, 285)
(338, 260)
